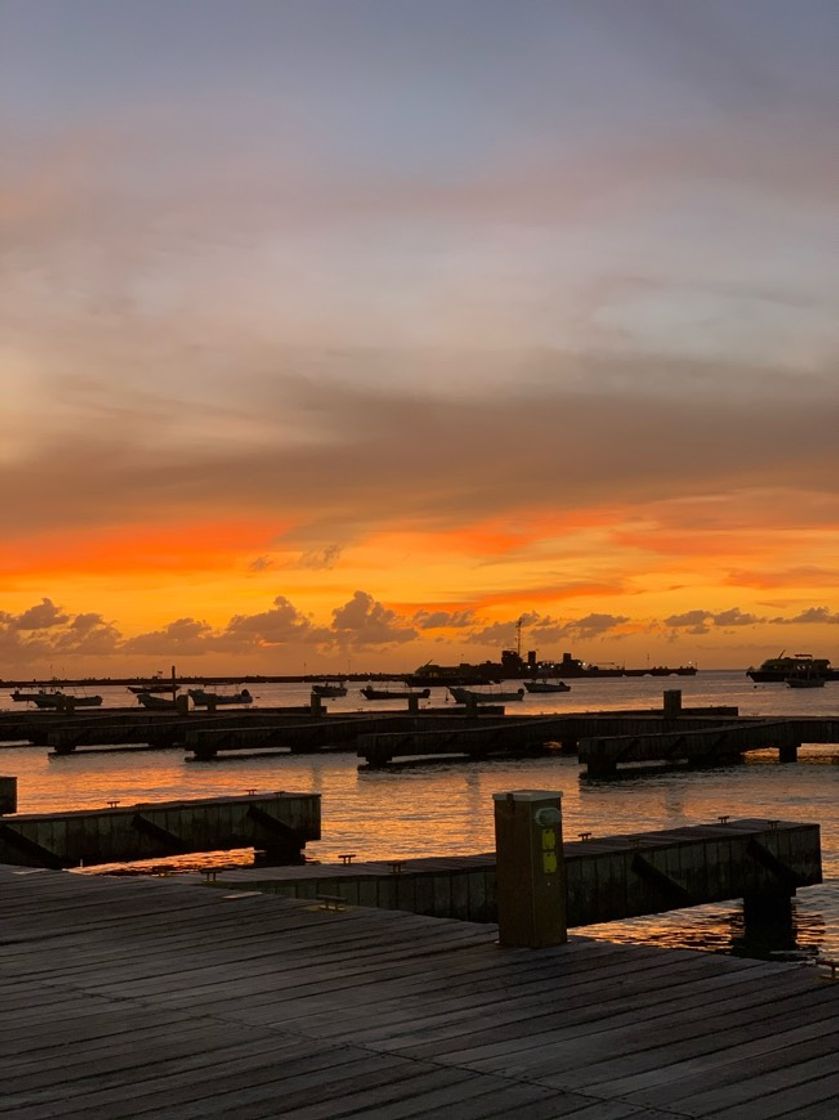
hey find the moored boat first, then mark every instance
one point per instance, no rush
(202, 699)
(329, 688)
(370, 693)
(156, 703)
(31, 697)
(157, 686)
(56, 700)
(547, 686)
(468, 696)
(797, 665)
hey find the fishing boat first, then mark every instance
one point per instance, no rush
(202, 699)
(370, 693)
(156, 703)
(55, 699)
(547, 686)
(329, 688)
(467, 696)
(156, 686)
(31, 697)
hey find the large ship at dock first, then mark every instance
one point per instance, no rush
(798, 665)
(513, 666)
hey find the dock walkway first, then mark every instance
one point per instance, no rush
(129, 998)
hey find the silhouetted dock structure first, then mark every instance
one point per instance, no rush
(606, 740)
(154, 998)
(523, 734)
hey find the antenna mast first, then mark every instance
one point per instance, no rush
(518, 636)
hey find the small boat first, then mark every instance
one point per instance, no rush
(156, 703)
(467, 696)
(58, 700)
(31, 697)
(157, 686)
(330, 688)
(547, 686)
(202, 699)
(370, 693)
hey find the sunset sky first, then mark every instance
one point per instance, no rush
(344, 333)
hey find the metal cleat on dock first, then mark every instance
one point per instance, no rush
(334, 902)
(831, 964)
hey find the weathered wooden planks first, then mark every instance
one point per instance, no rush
(130, 998)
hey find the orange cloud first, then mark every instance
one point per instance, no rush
(184, 547)
(790, 577)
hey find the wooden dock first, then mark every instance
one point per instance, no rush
(157, 999)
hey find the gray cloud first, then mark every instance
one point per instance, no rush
(701, 621)
(432, 620)
(646, 432)
(278, 626)
(362, 622)
(44, 616)
(736, 617)
(688, 619)
(811, 615)
(321, 559)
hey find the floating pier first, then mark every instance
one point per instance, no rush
(336, 732)
(521, 734)
(129, 726)
(156, 998)
(278, 823)
(610, 878)
(712, 745)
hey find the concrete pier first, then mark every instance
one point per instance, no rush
(333, 732)
(710, 745)
(118, 726)
(522, 734)
(608, 878)
(278, 823)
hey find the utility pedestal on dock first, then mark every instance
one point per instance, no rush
(8, 795)
(530, 869)
(672, 703)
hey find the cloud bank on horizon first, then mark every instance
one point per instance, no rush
(489, 310)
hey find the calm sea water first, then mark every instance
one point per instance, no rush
(446, 808)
